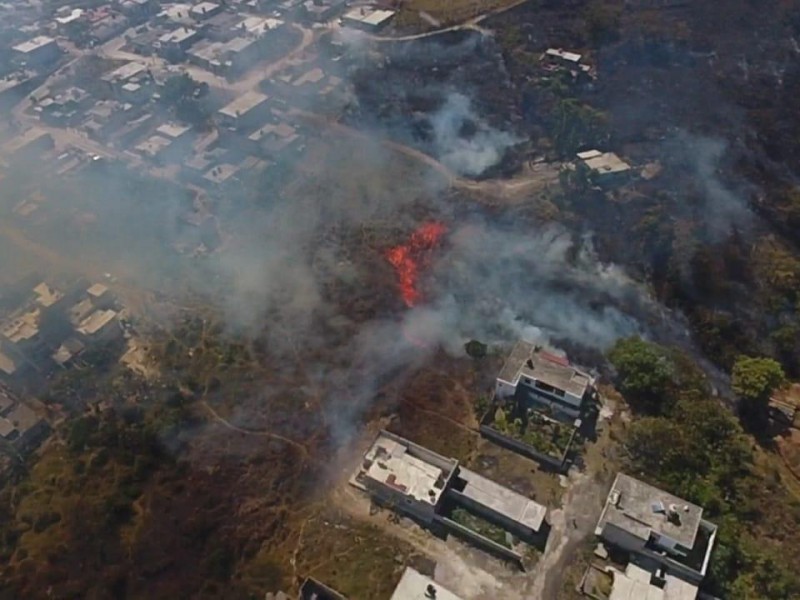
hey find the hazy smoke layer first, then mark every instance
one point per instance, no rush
(465, 142)
(722, 208)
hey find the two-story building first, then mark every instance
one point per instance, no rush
(536, 377)
(653, 524)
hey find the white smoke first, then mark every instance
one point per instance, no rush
(467, 154)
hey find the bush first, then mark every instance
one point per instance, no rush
(644, 373)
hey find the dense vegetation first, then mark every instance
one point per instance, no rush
(689, 444)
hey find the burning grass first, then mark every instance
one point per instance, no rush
(412, 257)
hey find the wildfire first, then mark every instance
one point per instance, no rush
(409, 258)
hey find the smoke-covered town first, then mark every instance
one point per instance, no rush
(399, 300)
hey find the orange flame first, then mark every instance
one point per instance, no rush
(407, 259)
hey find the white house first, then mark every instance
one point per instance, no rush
(649, 522)
(530, 373)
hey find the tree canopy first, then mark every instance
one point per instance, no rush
(754, 379)
(644, 372)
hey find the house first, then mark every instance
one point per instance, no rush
(138, 10)
(421, 484)
(274, 140)
(68, 20)
(131, 72)
(413, 585)
(322, 10)
(534, 376)
(637, 583)
(653, 524)
(249, 109)
(368, 18)
(101, 325)
(315, 590)
(68, 351)
(40, 50)
(174, 44)
(605, 165)
(402, 474)
(205, 10)
(23, 428)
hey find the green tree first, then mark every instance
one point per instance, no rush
(644, 372)
(754, 379)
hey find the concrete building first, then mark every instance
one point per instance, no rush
(316, 590)
(534, 376)
(322, 10)
(274, 140)
(68, 20)
(515, 512)
(40, 50)
(406, 476)
(132, 72)
(205, 10)
(418, 482)
(22, 427)
(368, 18)
(174, 44)
(413, 585)
(559, 56)
(68, 351)
(99, 326)
(657, 526)
(249, 109)
(637, 583)
(605, 165)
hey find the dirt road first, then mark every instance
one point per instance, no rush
(571, 525)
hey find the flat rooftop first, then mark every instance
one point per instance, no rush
(390, 462)
(34, 44)
(603, 162)
(563, 54)
(21, 328)
(96, 321)
(173, 130)
(243, 104)
(368, 16)
(46, 296)
(20, 418)
(125, 72)
(640, 508)
(502, 500)
(413, 585)
(97, 290)
(530, 361)
(636, 584)
(7, 364)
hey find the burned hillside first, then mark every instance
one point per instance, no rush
(447, 96)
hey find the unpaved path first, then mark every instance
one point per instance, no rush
(571, 525)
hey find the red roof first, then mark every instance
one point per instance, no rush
(559, 360)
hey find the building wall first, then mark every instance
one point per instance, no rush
(383, 494)
(624, 540)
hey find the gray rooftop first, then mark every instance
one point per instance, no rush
(243, 104)
(603, 162)
(502, 500)
(413, 585)
(640, 508)
(20, 418)
(635, 584)
(125, 72)
(34, 44)
(529, 360)
(394, 462)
